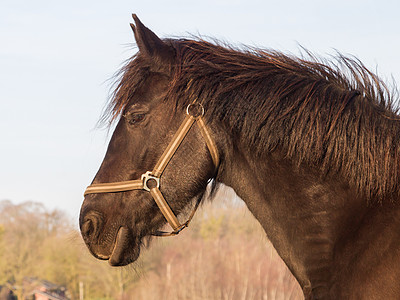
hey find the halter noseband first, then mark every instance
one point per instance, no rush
(150, 181)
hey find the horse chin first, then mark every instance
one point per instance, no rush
(123, 253)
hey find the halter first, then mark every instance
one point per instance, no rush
(150, 181)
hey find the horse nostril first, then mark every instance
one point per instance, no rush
(87, 228)
(91, 226)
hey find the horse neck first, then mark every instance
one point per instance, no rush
(311, 220)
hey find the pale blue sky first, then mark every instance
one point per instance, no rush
(56, 58)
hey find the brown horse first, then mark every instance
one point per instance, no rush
(311, 147)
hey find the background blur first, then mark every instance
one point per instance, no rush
(57, 60)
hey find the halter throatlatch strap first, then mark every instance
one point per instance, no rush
(209, 141)
(150, 181)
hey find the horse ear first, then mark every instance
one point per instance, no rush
(150, 44)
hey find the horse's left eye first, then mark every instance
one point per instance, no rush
(134, 119)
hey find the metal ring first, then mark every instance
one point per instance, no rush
(146, 177)
(195, 116)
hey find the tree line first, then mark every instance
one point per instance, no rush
(223, 255)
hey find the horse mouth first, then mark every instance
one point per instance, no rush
(123, 252)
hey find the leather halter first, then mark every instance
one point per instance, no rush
(150, 181)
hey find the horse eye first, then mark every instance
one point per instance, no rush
(134, 119)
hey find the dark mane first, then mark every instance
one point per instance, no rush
(337, 116)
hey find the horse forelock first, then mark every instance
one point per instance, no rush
(126, 82)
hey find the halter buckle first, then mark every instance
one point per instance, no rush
(148, 176)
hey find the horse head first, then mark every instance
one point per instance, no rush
(155, 153)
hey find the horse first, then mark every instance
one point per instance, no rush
(310, 145)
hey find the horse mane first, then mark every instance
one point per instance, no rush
(335, 115)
